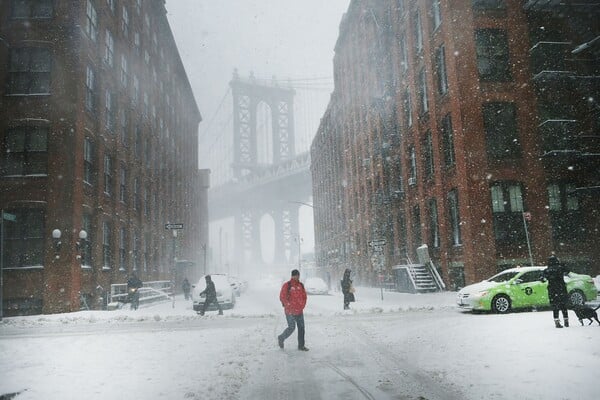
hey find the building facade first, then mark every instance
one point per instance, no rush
(469, 126)
(99, 151)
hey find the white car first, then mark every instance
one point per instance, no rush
(225, 292)
(315, 286)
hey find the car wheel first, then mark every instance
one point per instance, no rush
(501, 304)
(576, 297)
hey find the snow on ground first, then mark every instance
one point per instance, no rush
(166, 351)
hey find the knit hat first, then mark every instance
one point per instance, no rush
(295, 272)
(553, 260)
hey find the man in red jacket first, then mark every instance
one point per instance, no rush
(293, 300)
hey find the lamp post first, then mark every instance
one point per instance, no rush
(299, 240)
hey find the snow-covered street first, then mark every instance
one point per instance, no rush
(402, 347)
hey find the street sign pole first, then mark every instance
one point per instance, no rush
(1, 264)
(527, 216)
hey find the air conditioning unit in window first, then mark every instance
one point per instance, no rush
(412, 181)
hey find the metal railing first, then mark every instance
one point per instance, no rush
(151, 291)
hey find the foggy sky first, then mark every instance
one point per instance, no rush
(285, 38)
(288, 39)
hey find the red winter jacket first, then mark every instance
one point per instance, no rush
(293, 297)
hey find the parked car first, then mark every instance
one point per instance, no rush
(315, 286)
(225, 293)
(238, 285)
(521, 287)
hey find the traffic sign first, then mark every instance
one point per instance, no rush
(378, 242)
(173, 226)
(9, 216)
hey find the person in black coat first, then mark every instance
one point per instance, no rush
(211, 295)
(186, 288)
(347, 289)
(557, 289)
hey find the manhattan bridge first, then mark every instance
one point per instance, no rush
(256, 146)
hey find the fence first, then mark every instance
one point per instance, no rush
(151, 291)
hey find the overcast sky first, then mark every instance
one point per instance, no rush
(286, 38)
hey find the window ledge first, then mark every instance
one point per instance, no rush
(26, 176)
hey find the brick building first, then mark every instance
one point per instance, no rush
(98, 133)
(456, 124)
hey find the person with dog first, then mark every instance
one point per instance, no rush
(293, 300)
(557, 289)
(347, 289)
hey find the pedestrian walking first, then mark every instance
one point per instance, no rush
(211, 295)
(557, 290)
(347, 289)
(186, 288)
(293, 300)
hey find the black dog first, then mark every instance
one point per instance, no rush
(583, 311)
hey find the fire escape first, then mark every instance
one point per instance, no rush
(564, 61)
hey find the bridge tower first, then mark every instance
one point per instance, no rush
(247, 95)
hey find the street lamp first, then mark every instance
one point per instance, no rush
(56, 234)
(299, 240)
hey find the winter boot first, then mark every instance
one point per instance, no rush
(566, 322)
(557, 323)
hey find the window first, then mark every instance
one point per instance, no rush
(109, 110)
(137, 146)
(436, 14)
(109, 48)
(88, 161)
(483, 5)
(123, 71)
(108, 175)
(91, 21)
(407, 108)
(122, 184)
(136, 251)
(111, 5)
(90, 87)
(440, 69)
(507, 209)
(29, 70)
(136, 43)
(125, 22)
(500, 122)
(418, 33)
(454, 217)
(135, 90)
(448, 141)
(416, 214)
(106, 250)
(136, 194)
(26, 151)
(86, 244)
(423, 92)
(122, 249)
(428, 161)
(434, 230)
(24, 239)
(565, 214)
(412, 173)
(30, 9)
(138, 6)
(492, 55)
(124, 126)
(146, 202)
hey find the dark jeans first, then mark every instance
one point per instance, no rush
(563, 309)
(208, 301)
(292, 321)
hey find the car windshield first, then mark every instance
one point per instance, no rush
(503, 276)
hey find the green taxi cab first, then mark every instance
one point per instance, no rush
(522, 287)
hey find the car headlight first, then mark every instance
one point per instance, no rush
(482, 293)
